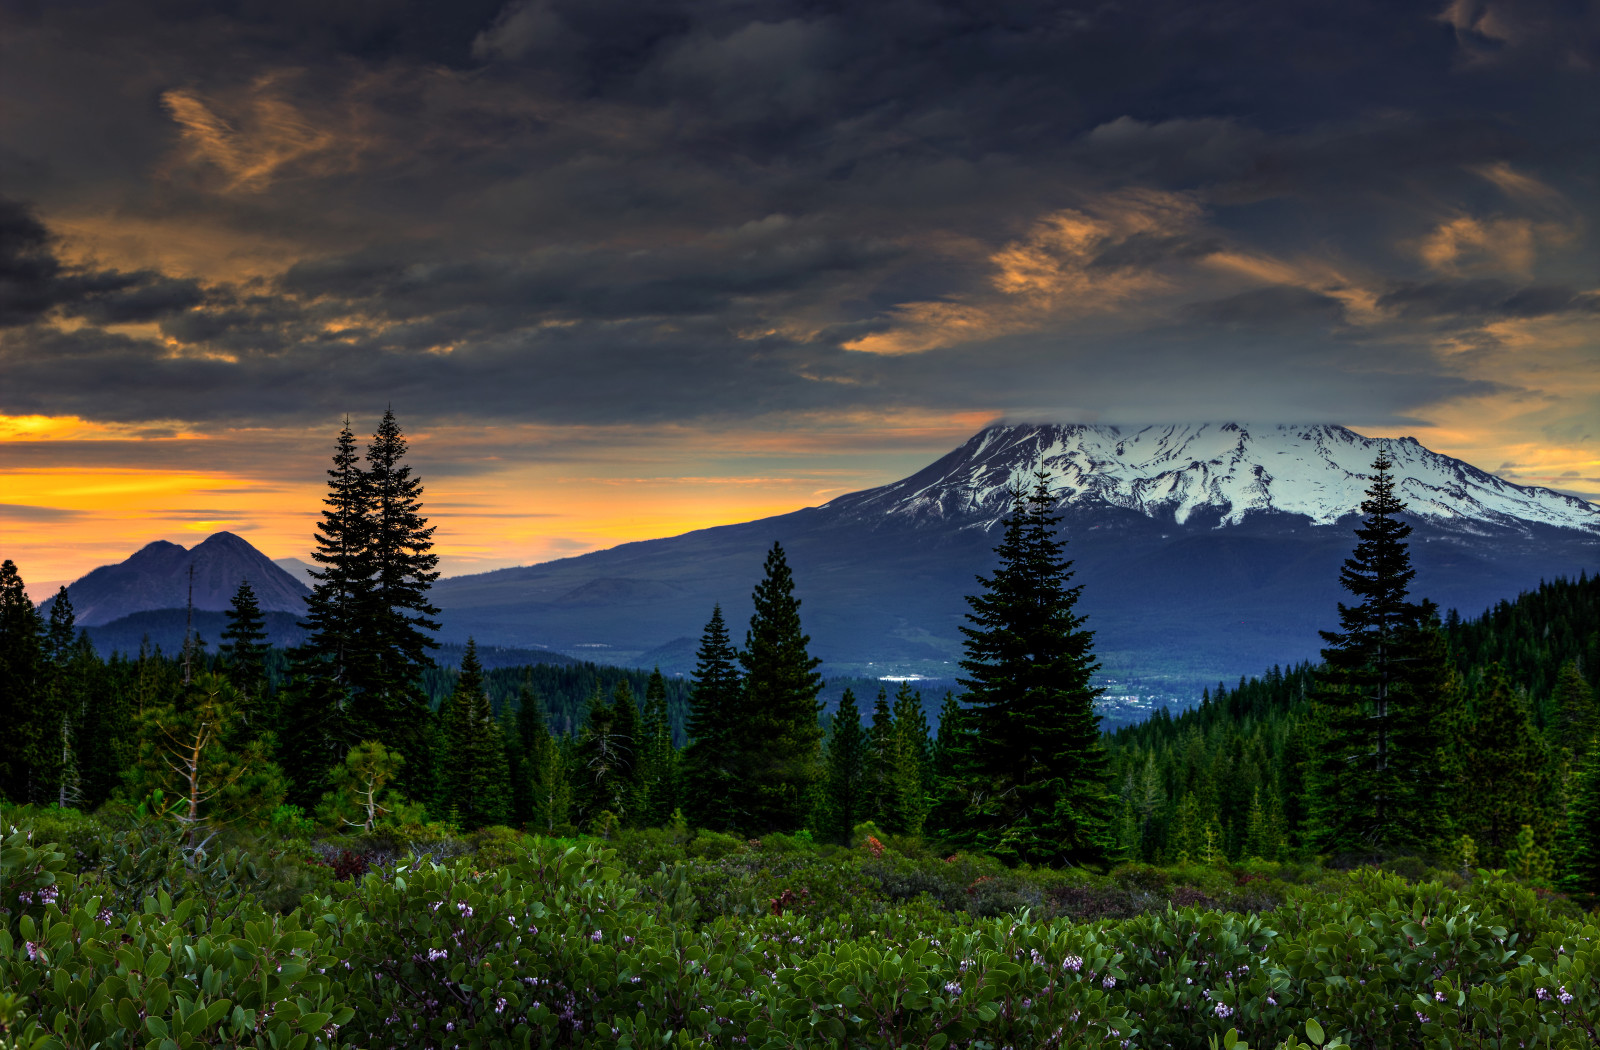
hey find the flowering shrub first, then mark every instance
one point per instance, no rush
(562, 947)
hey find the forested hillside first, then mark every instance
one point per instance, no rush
(1231, 774)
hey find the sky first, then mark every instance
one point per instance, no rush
(623, 268)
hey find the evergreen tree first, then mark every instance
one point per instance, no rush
(60, 635)
(518, 769)
(628, 796)
(1502, 766)
(605, 758)
(878, 775)
(845, 768)
(708, 779)
(244, 652)
(1379, 694)
(1580, 840)
(65, 691)
(540, 792)
(552, 789)
(949, 757)
(947, 741)
(658, 758)
(1035, 782)
(396, 614)
(778, 741)
(910, 758)
(476, 782)
(186, 750)
(1577, 718)
(31, 732)
(361, 796)
(323, 716)
(343, 580)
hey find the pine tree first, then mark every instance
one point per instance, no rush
(60, 635)
(947, 741)
(552, 788)
(658, 758)
(30, 731)
(66, 689)
(605, 759)
(950, 756)
(1379, 694)
(1502, 769)
(361, 796)
(343, 580)
(627, 728)
(1147, 798)
(1577, 717)
(714, 700)
(396, 614)
(518, 768)
(476, 782)
(878, 774)
(845, 773)
(778, 741)
(909, 796)
(540, 793)
(1579, 846)
(1036, 779)
(185, 750)
(1258, 842)
(244, 651)
(323, 717)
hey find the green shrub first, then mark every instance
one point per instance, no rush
(713, 845)
(564, 944)
(497, 847)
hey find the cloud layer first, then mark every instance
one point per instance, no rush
(781, 215)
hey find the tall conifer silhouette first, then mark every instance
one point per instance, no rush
(779, 738)
(1385, 686)
(708, 785)
(244, 651)
(1034, 782)
(396, 615)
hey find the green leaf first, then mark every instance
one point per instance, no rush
(1314, 1031)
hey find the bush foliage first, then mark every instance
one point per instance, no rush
(124, 936)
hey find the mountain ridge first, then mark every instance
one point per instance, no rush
(157, 577)
(1102, 462)
(1191, 568)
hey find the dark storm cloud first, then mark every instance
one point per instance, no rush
(34, 282)
(620, 211)
(1487, 297)
(1270, 306)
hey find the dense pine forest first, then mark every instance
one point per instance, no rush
(571, 854)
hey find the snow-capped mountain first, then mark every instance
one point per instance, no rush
(1171, 471)
(1204, 552)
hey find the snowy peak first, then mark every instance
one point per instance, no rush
(1169, 472)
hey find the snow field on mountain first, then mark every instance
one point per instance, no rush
(1171, 471)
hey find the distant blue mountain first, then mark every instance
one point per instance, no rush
(157, 577)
